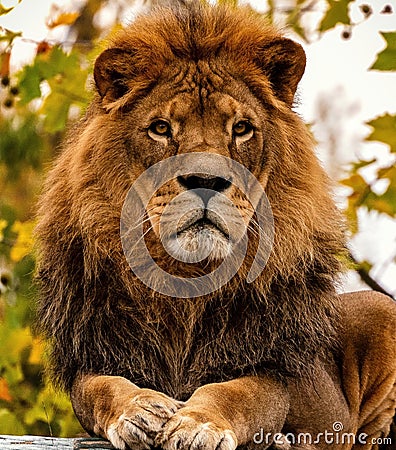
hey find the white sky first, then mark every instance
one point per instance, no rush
(332, 62)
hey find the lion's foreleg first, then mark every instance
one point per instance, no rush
(116, 409)
(225, 415)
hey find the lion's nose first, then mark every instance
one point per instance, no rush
(217, 184)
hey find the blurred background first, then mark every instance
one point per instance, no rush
(347, 97)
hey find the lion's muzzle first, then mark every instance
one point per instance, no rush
(200, 223)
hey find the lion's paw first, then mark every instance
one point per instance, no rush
(187, 433)
(142, 419)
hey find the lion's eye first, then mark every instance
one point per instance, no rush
(242, 128)
(160, 128)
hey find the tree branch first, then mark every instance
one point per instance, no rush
(368, 279)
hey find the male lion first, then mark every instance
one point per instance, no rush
(279, 361)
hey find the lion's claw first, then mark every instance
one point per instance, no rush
(142, 419)
(186, 433)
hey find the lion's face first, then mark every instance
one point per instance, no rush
(193, 109)
(201, 212)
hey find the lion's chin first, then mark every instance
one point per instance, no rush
(198, 243)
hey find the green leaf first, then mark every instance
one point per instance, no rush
(384, 130)
(363, 196)
(388, 198)
(293, 20)
(10, 424)
(386, 60)
(8, 35)
(356, 166)
(67, 88)
(388, 172)
(56, 110)
(67, 81)
(29, 84)
(21, 145)
(385, 203)
(337, 12)
(360, 190)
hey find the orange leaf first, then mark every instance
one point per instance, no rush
(63, 19)
(4, 391)
(5, 64)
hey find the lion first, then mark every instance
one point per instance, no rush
(279, 360)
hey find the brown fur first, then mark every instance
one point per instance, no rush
(99, 318)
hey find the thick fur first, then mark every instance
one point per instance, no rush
(284, 328)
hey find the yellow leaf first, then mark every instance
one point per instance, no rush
(4, 10)
(24, 242)
(356, 182)
(63, 19)
(3, 225)
(20, 339)
(36, 354)
(13, 343)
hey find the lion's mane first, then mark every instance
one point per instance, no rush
(99, 318)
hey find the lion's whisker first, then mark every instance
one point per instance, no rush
(140, 239)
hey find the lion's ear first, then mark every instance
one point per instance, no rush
(283, 61)
(113, 68)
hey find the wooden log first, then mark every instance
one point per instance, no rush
(49, 443)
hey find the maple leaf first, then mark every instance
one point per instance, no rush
(384, 130)
(337, 12)
(386, 59)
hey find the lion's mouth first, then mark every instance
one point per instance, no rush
(203, 224)
(200, 235)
